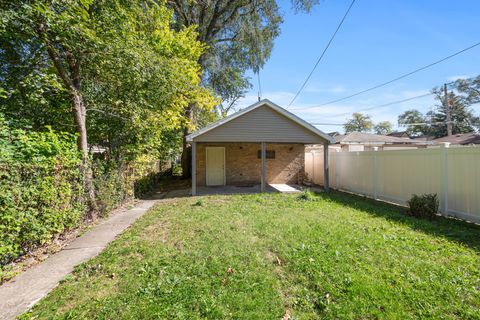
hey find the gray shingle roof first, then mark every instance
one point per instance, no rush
(461, 139)
(366, 138)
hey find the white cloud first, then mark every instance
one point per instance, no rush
(337, 114)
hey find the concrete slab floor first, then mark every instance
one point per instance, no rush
(22, 292)
(225, 190)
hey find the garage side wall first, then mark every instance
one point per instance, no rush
(243, 167)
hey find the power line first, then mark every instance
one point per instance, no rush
(400, 77)
(323, 53)
(403, 125)
(378, 106)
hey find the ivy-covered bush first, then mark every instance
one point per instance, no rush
(111, 188)
(119, 181)
(41, 188)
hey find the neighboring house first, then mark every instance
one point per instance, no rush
(360, 141)
(334, 134)
(460, 139)
(399, 134)
(260, 144)
(423, 138)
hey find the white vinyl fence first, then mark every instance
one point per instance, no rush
(394, 175)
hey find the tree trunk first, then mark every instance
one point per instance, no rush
(79, 111)
(186, 149)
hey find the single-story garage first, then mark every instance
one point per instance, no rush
(261, 144)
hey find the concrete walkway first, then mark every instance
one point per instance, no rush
(21, 293)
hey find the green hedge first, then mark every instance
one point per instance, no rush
(40, 188)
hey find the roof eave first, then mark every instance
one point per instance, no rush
(191, 137)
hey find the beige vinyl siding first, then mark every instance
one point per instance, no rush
(260, 125)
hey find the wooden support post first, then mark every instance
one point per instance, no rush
(194, 168)
(326, 168)
(264, 165)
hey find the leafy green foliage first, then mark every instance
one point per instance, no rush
(308, 195)
(358, 123)
(41, 191)
(41, 186)
(383, 128)
(134, 74)
(461, 115)
(465, 93)
(423, 206)
(262, 256)
(239, 36)
(411, 119)
(119, 182)
(469, 89)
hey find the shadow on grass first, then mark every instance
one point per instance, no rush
(167, 187)
(452, 229)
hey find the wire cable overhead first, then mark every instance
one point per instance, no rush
(323, 53)
(374, 107)
(399, 77)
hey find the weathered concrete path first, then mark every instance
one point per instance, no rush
(22, 292)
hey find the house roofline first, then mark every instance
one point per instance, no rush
(270, 104)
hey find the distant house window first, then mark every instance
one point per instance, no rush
(269, 154)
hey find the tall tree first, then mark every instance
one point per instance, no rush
(116, 64)
(57, 34)
(469, 89)
(239, 36)
(383, 127)
(358, 123)
(411, 120)
(461, 116)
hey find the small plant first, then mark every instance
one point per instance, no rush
(199, 203)
(307, 195)
(423, 206)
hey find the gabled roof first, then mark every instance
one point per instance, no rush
(461, 139)
(399, 134)
(368, 138)
(262, 103)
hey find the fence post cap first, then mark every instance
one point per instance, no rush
(446, 144)
(375, 148)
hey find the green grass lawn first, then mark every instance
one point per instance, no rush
(274, 256)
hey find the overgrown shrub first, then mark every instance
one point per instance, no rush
(119, 181)
(423, 206)
(307, 195)
(41, 189)
(146, 173)
(111, 187)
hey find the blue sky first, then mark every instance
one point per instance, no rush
(380, 40)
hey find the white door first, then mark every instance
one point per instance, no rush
(215, 166)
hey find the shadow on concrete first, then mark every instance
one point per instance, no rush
(177, 187)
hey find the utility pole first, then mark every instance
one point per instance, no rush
(447, 111)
